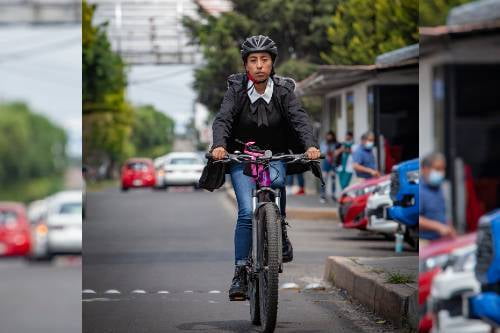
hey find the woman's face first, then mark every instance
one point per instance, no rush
(259, 65)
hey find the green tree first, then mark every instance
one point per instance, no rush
(107, 117)
(360, 30)
(31, 148)
(297, 26)
(435, 12)
(153, 132)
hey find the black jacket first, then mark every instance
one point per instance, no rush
(300, 131)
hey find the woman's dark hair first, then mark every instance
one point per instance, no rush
(334, 136)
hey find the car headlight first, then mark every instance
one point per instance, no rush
(464, 259)
(436, 261)
(413, 176)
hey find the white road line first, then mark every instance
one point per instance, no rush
(163, 292)
(290, 285)
(213, 302)
(188, 291)
(138, 291)
(214, 292)
(112, 291)
(96, 300)
(88, 291)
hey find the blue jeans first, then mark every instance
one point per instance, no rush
(327, 169)
(243, 186)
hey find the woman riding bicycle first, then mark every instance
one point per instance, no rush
(261, 107)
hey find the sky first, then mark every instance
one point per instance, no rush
(167, 87)
(42, 66)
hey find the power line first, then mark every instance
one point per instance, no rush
(40, 49)
(45, 79)
(160, 77)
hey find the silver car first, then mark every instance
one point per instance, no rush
(60, 229)
(179, 169)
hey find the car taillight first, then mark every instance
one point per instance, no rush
(41, 229)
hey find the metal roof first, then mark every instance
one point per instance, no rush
(475, 12)
(330, 77)
(398, 56)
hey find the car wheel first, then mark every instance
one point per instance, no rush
(124, 189)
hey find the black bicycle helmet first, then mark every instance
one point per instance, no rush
(258, 43)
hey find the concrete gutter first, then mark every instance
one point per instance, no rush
(367, 284)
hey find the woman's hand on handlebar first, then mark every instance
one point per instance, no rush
(219, 153)
(313, 153)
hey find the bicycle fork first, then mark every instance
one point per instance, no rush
(255, 228)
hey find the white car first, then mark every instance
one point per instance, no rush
(376, 210)
(60, 231)
(179, 169)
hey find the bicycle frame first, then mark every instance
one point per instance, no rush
(261, 175)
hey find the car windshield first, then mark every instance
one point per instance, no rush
(71, 208)
(185, 161)
(7, 218)
(137, 166)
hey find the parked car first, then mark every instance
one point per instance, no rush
(137, 172)
(376, 210)
(180, 169)
(353, 200)
(14, 229)
(433, 258)
(59, 230)
(404, 195)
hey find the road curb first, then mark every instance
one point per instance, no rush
(394, 302)
(298, 213)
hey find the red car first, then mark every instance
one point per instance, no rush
(431, 260)
(352, 203)
(14, 230)
(138, 172)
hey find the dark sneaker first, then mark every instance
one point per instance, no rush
(238, 289)
(287, 245)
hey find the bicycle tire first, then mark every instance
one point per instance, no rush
(253, 296)
(269, 275)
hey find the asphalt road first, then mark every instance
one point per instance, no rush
(162, 262)
(41, 298)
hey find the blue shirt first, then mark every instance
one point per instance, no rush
(432, 207)
(364, 157)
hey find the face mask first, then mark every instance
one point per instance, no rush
(369, 145)
(348, 143)
(436, 177)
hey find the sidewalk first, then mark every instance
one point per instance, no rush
(302, 207)
(386, 285)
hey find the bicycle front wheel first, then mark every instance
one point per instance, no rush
(269, 275)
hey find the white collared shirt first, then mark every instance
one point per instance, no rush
(254, 95)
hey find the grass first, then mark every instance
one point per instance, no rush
(399, 278)
(32, 189)
(100, 185)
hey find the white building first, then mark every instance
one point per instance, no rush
(382, 97)
(459, 110)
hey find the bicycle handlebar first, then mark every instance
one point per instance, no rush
(245, 158)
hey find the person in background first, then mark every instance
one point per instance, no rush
(432, 211)
(300, 181)
(331, 148)
(344, 162)
(363, 158)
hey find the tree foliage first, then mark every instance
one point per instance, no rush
(297, 26)
(31, 146)
(434, 12)
(360, 30)
(153, 131)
